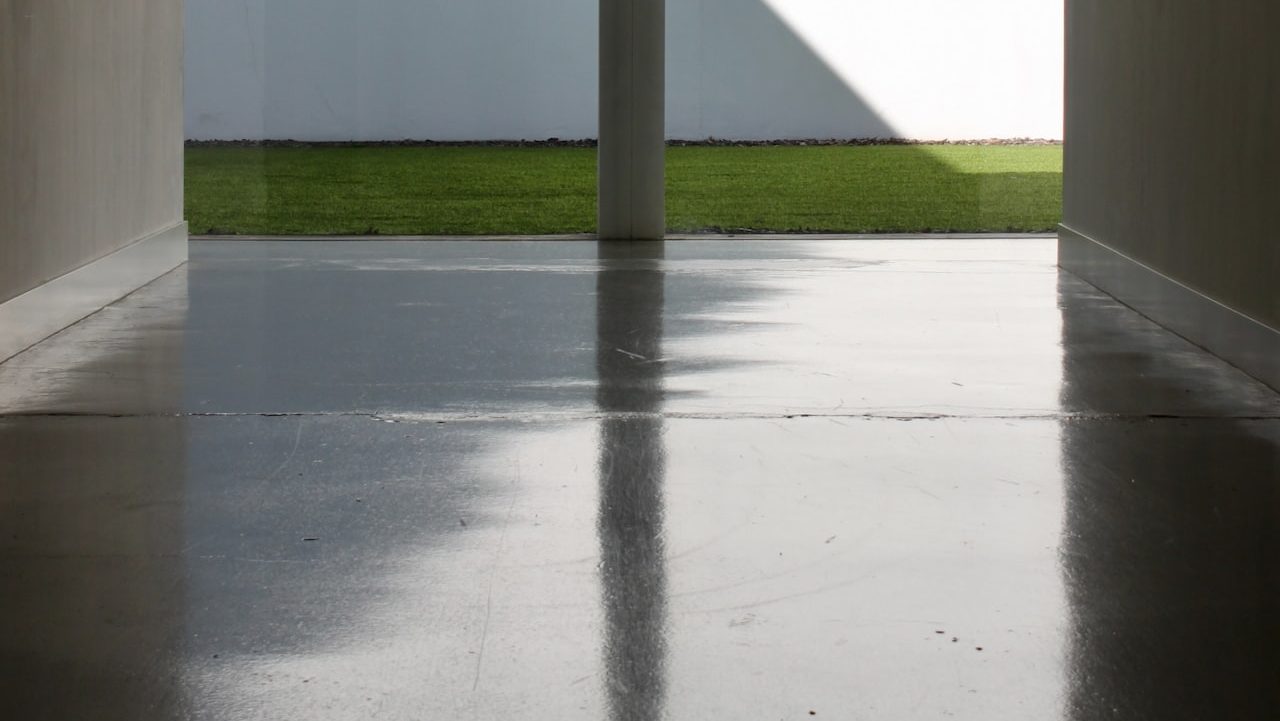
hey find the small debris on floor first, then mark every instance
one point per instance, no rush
(311, 538)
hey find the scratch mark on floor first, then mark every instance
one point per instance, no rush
(925, 492)
(780, 599)
(240, 559)
(493, 573)
(708, 542)
(297, 439)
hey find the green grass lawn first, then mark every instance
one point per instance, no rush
(511, 190)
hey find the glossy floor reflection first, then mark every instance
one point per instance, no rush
(746, 479)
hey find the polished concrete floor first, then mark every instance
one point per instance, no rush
(900, 479)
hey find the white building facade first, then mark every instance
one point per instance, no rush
(331, 70)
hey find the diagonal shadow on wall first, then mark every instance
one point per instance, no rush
(771, 59)
(754, 79)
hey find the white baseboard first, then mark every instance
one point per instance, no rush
(1246, 343)
(48, 308)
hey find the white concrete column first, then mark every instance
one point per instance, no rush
(632, 100)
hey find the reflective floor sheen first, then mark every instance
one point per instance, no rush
(713, 480)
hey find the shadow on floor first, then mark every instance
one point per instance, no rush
(1171, 552)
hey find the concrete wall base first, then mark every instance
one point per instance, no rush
(48, 308)
(1248, 344)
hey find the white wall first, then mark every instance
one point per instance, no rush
(512, 69)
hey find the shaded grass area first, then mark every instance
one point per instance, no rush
(535, 190)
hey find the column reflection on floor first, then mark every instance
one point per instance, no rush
(93, 584)
(1170, 551)
(629, 307)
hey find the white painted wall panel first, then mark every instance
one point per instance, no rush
(513, 69)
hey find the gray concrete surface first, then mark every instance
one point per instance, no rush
(708, 479)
